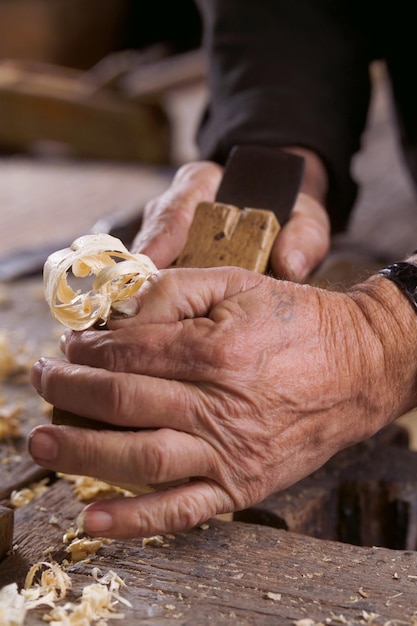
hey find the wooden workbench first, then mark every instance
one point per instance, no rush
(229, 573)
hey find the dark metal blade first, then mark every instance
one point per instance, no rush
(258, 177)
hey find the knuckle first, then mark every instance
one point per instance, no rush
(115, 352)
(114, 399)
(156, 458)
(185, 515)
(72, 347)
(188, 171)
(201, 175)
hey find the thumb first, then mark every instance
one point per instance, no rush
(303, 242)
(167, 218)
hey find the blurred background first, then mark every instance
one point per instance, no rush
(79, 33)
(99, 103)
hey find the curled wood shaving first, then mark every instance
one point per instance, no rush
(87, 488)
(12, 606)
(19, 498)
(156, 541)
(118, 276)
(98, 602)
(82, 548)
(52, 586)
(48, 584)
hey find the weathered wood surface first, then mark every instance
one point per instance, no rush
(230, 573)
(50, 202)
(29, 332)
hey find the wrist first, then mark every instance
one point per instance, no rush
(393, 322)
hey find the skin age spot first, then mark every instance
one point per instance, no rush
(284, 306)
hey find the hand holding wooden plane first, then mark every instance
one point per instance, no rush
(302, 242)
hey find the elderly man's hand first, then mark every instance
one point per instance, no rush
(240, 382)
(299, 247)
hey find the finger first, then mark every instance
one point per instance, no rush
(116, 398)
(173, 510)
(167, 219)
(303, 242)
(192, 315)
(136, 458)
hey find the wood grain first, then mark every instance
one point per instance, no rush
(222, 234)
(230, 573)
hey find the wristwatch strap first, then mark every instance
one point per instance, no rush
(404, 275)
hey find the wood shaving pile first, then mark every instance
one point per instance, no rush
(53, 584)
(84, 547)
(19, 498)
(96, 605)
(87, 488)
(118, 276)
(12, 606)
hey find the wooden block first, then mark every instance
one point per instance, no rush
(222, 234)
(6, 530)
(309, 508)
(378, 500)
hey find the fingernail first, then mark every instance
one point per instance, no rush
(95, 522)
(36, 376)
(62, 342)
(296, 264)
(42, 446)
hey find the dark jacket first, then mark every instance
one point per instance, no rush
(296, 72)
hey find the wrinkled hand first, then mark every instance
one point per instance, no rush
(300, 246)
(242, 382)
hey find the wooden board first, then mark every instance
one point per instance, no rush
(230, 573)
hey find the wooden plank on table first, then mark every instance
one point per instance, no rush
(228, 573)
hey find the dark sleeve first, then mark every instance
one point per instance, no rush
(284, 73)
